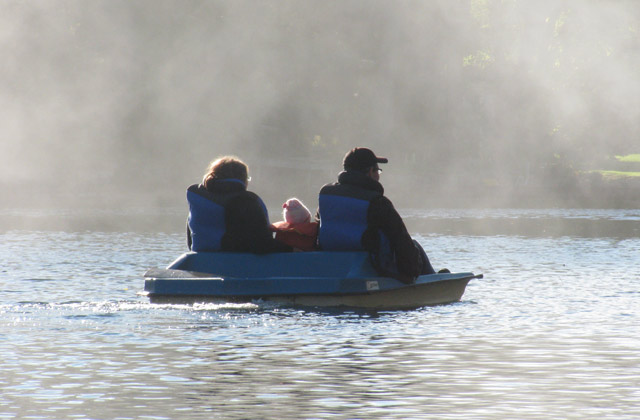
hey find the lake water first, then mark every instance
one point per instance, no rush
(552, 331)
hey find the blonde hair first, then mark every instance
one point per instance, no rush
(226, 167)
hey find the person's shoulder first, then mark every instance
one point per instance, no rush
(330, 184)
(195, 187)
(250, 195)
(248, 199)
(328, 187)
(199, 190)
(382, 202)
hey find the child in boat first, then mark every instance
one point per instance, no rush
(297, 229)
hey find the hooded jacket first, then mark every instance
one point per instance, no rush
(355, 215)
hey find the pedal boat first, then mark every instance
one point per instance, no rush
(319, 279)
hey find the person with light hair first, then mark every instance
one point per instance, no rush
(224, 216)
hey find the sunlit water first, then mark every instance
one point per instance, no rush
(552, 331)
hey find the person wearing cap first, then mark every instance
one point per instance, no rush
(355, 215)
(224, 216)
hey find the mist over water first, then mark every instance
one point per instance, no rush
(112, 102)
(111, 108)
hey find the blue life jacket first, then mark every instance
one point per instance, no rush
(207, 215)
(343, 217)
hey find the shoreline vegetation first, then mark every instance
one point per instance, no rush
(612, 183)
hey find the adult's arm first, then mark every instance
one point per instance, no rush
(383, 215)
(189, 241)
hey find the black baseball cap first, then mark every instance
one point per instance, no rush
(361, 158)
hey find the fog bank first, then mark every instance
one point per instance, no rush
(114, 102)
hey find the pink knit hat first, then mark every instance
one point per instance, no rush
(295, 212)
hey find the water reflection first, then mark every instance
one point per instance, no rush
(550, 332)
(285, 363)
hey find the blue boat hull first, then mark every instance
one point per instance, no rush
(302, 278)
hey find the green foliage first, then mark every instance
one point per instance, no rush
(480, 59)
(480, 11)
(618, 174)
(633, 158)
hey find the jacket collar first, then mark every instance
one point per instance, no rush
(360, 180)
(225, 185)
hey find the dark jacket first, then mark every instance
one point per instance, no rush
(383, 217)
(246, 223)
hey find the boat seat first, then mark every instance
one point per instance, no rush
(292, 264)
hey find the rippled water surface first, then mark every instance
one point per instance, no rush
(552, 331)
